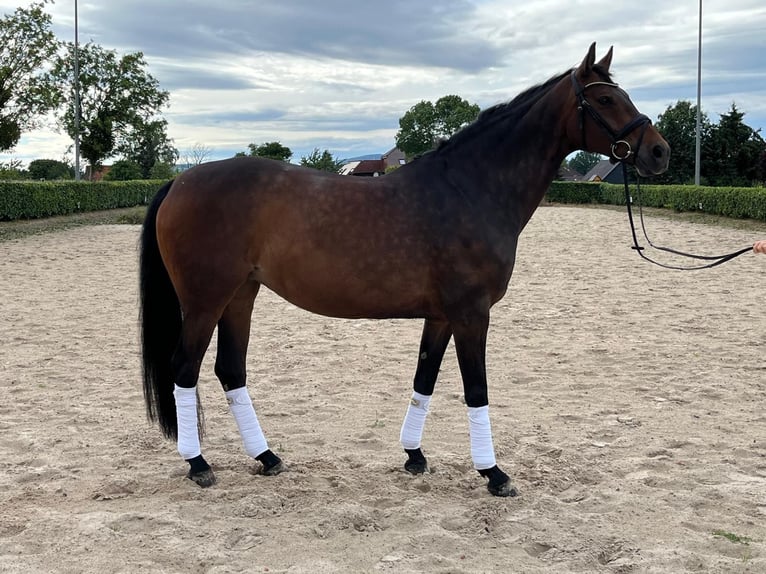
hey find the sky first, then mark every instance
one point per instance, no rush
(338, 75)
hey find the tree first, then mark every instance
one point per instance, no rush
(26, 44)
(323, 161)
(149, 145)
(271, 150)
(584, 161)
(733, 151)
(119, 98)
(124, 170)
(678, 125)
(199, 153)
(49, 169)
(425, 123)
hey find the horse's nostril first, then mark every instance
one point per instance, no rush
(658, 151)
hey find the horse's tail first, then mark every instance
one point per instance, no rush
(160, 317)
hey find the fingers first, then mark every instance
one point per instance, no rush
(759, 246)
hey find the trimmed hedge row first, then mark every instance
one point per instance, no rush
(36, 199)
(32, 200)
(738, 202)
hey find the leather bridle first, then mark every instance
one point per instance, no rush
(618, 137)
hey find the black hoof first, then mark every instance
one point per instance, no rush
(272, 464)
(416, 463)
(204, 479)
(499, 483)
(200, 472)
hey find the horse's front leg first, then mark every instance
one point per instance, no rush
(470, 331)
(433, 343)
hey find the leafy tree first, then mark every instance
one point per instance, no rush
(149, 145)
(49, 169)
(425, 123)
(162, 171)
(11, 170)
(678, 125)
(118, 98)
(124, 170)
(271, 150)
(323, 161)
(26, 44)
(733, 152)
(584, 161)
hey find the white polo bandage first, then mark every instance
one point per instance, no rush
(482, 449)
(241, 406)
(414, 421)
(186, 415)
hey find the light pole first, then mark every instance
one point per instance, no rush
(76, 97)
(698, 149)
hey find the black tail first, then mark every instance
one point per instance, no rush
(160, 318)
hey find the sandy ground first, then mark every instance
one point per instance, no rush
(627, 402)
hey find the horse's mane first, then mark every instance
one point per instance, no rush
(509, 113)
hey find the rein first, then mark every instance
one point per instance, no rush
(715, 260)
(618, 141)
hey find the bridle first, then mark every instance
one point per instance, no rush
(619, 141)
(618, 137)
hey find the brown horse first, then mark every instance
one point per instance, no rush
(436, 239)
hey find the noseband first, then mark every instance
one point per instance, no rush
(618, 137)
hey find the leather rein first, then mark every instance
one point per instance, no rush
(621, 151)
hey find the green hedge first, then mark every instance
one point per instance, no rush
(32, 200)
(739, 202)
(35, 199)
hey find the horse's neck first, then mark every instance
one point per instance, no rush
(517, 171)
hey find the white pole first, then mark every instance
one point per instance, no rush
(698, 150)
(76, 97)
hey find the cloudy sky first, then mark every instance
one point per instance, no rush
(338, 74)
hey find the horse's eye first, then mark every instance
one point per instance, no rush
(605, 100)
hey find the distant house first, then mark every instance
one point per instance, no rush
(605, 171)
(364, 168)
(374, 167)
(394, 158)
(97, 174)
(566, 173)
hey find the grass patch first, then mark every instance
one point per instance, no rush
(731, 537)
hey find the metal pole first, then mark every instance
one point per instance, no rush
(76, 97)
(698, 150)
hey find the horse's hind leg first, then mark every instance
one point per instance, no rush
(233, 338)
(433, 343)
(196, 332)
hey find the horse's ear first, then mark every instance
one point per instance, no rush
(606, 61)
(590, 59)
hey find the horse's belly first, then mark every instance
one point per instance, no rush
(349, 293)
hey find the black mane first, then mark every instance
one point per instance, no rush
(509, 113)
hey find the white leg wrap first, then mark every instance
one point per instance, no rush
(241, 406)
(482, 450)
(186, 414)
(414, 421)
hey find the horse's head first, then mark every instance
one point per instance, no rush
(605, 121)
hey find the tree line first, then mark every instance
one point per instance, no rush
(121, 104)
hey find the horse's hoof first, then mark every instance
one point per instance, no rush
(505, 489)
(416, 462)
(416, 467)
(274, 470)
(499, 483)
(204, 478)
(272, 465)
